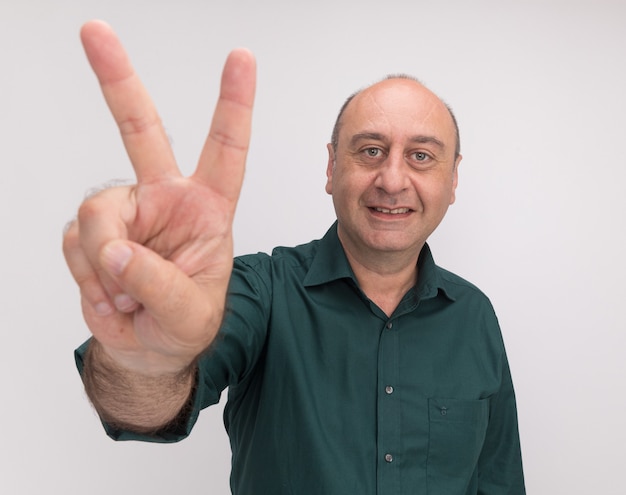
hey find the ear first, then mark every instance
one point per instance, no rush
(455, 178)
(330, 168)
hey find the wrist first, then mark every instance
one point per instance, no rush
(142, 363)
(141, 401)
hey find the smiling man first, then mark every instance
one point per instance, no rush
(392, 172)
(354, 364)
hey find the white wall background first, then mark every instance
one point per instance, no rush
(539, 90)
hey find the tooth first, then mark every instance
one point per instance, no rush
(393, 212)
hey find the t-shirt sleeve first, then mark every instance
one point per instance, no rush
(500, 464)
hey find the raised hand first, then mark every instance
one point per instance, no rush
(153, 260)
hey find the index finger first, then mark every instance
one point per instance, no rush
(144, 138)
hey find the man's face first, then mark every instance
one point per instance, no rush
(394, 172)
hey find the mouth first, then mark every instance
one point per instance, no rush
(395, 211)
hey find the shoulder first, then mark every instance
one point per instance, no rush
(463, 291)
(298, 258)
(456, 282)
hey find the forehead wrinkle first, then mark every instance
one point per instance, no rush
(370, 95)
(371, 129)
(436, 105)
(380, 97)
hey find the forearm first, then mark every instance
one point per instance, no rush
(131, 401)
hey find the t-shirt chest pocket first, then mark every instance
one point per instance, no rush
(456, 434)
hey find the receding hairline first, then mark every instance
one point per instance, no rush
(334, 139)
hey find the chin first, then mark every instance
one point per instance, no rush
(386, 243)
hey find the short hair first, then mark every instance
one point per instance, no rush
(334, 138)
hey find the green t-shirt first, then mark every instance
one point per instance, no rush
(328, 395)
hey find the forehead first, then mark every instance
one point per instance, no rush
(398, 109)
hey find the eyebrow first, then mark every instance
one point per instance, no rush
(366, 136)
(379, 137)
(428, 140)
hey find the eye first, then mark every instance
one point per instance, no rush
(372, 152)
(420, 156)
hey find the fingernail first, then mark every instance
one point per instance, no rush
(124, 303)
(115, 257)
(103, 309)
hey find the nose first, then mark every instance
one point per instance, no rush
(392, 175)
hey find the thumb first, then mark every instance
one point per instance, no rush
(146, 279)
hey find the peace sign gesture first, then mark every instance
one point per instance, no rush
(153, 260)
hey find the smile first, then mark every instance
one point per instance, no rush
(396, 211)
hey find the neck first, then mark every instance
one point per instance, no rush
(384, 278)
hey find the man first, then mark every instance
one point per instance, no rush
(354, 364)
